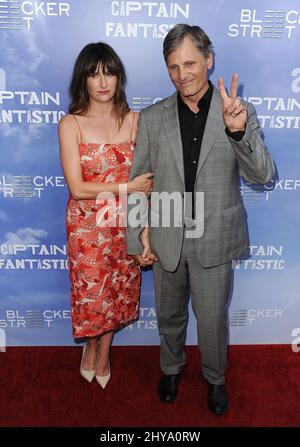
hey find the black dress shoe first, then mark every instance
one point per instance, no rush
(168, 387)
(217, 399)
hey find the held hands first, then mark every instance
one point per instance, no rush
(147, 257)
(142, 183)
(234, 113)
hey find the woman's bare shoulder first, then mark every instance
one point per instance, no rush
(68, 129)
(67, 121)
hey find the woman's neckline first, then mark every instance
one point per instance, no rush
(105, 144)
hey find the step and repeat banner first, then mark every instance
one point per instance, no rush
(39, 41)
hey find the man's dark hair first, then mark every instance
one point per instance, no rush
(176, 35)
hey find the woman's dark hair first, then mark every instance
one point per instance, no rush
(87, 63)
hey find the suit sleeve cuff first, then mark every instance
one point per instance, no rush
(236, 136)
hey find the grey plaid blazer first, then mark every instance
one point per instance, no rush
(221, 161)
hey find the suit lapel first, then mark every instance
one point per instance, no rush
(214, 123)
(172, 128)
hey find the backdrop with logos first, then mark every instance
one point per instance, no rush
(39, 42)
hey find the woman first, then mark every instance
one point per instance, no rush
(96, 148)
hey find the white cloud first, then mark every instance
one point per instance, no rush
(21, 69)
(10, 131)
(25, 236)
(19, 73)
(22, 139)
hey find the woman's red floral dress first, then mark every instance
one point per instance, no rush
(105, 281)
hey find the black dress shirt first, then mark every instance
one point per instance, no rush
(192, 127)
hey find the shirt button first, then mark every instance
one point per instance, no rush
(194, 161)
(195, 139)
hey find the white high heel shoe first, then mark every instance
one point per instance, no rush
(87, 375)
(103, 380)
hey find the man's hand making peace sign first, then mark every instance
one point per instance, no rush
(234, 112)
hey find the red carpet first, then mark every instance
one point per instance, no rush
(42, 387)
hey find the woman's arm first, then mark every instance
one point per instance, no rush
(70, 161)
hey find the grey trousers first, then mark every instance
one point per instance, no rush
(209, 289)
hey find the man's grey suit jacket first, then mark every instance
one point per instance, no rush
(159, 150)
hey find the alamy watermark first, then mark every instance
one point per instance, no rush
(296, 341)
(158, 209)
(2, 340)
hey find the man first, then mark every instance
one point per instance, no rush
(196, 141)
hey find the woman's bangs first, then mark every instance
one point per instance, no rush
(106, 61)
(109, 65)
(93, 65)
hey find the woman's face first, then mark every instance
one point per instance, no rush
(101, 85)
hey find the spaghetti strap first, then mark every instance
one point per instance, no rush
(132, 128)
(76, 119)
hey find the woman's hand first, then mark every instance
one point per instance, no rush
(147, 257)
(144, 237)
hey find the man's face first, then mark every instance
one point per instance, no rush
(188, 69)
